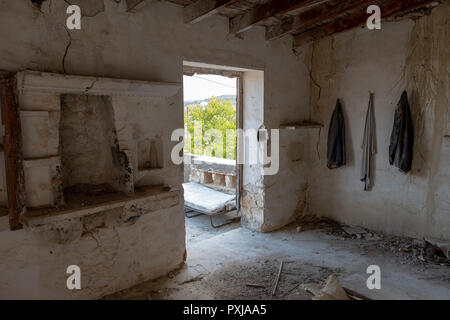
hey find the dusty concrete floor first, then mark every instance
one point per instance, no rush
(228, 263)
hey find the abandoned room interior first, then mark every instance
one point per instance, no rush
(108, 192)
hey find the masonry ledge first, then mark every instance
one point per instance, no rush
(71, 84)
(149, 199)
(301, 125)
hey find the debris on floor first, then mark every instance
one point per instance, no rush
(435, 250)
(277, 279)
(409, 250)
(331, 291)
(233, 263)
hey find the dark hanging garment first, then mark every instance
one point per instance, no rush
(402, 136)
(368, 146)
(336, 139)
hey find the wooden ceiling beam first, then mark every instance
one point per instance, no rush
(202, 9)
(388, 9)
(266, 11)
(314, 16)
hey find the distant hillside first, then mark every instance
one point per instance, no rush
(226, 97)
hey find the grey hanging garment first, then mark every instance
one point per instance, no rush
(368, 146)
(336, 139)
(402, 137)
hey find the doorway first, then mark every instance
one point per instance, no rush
(211, 174)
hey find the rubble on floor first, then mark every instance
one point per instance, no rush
(409, 250)
(331, 291)
(233, 263)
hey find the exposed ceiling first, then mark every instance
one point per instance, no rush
(306, 20)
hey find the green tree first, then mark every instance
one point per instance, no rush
(218, 116)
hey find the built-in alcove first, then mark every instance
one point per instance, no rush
(150, 154)
(79, 157)
(87, 143)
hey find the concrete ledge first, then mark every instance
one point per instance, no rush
(149, 200)
(58, 83)
(210, 164)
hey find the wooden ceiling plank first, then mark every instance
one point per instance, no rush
(314, 16)
(202, 9)
(388, 9)
(266, 11)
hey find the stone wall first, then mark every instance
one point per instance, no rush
(219, 174)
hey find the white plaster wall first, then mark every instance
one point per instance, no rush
(110, 259)
(287, 191)
(403, 55)
(149, 43)
(253, 188)
(138, 119)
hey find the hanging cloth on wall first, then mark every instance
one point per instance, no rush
(402, 136)
(336, 139)
(368, 146)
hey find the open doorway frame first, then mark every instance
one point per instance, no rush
(190, 69)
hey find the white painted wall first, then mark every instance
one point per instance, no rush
(150, 43)
(403, 55)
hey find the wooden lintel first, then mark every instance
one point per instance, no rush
(15, 178)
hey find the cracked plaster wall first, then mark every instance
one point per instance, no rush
(408, 54)
(139, 40)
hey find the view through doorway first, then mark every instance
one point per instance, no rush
(210, 172)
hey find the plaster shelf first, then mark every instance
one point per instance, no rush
(141, 173)
(35, 81)
(153, 198)
(301, 125)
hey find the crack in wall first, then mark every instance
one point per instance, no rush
(86, 90)
(66, 51)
